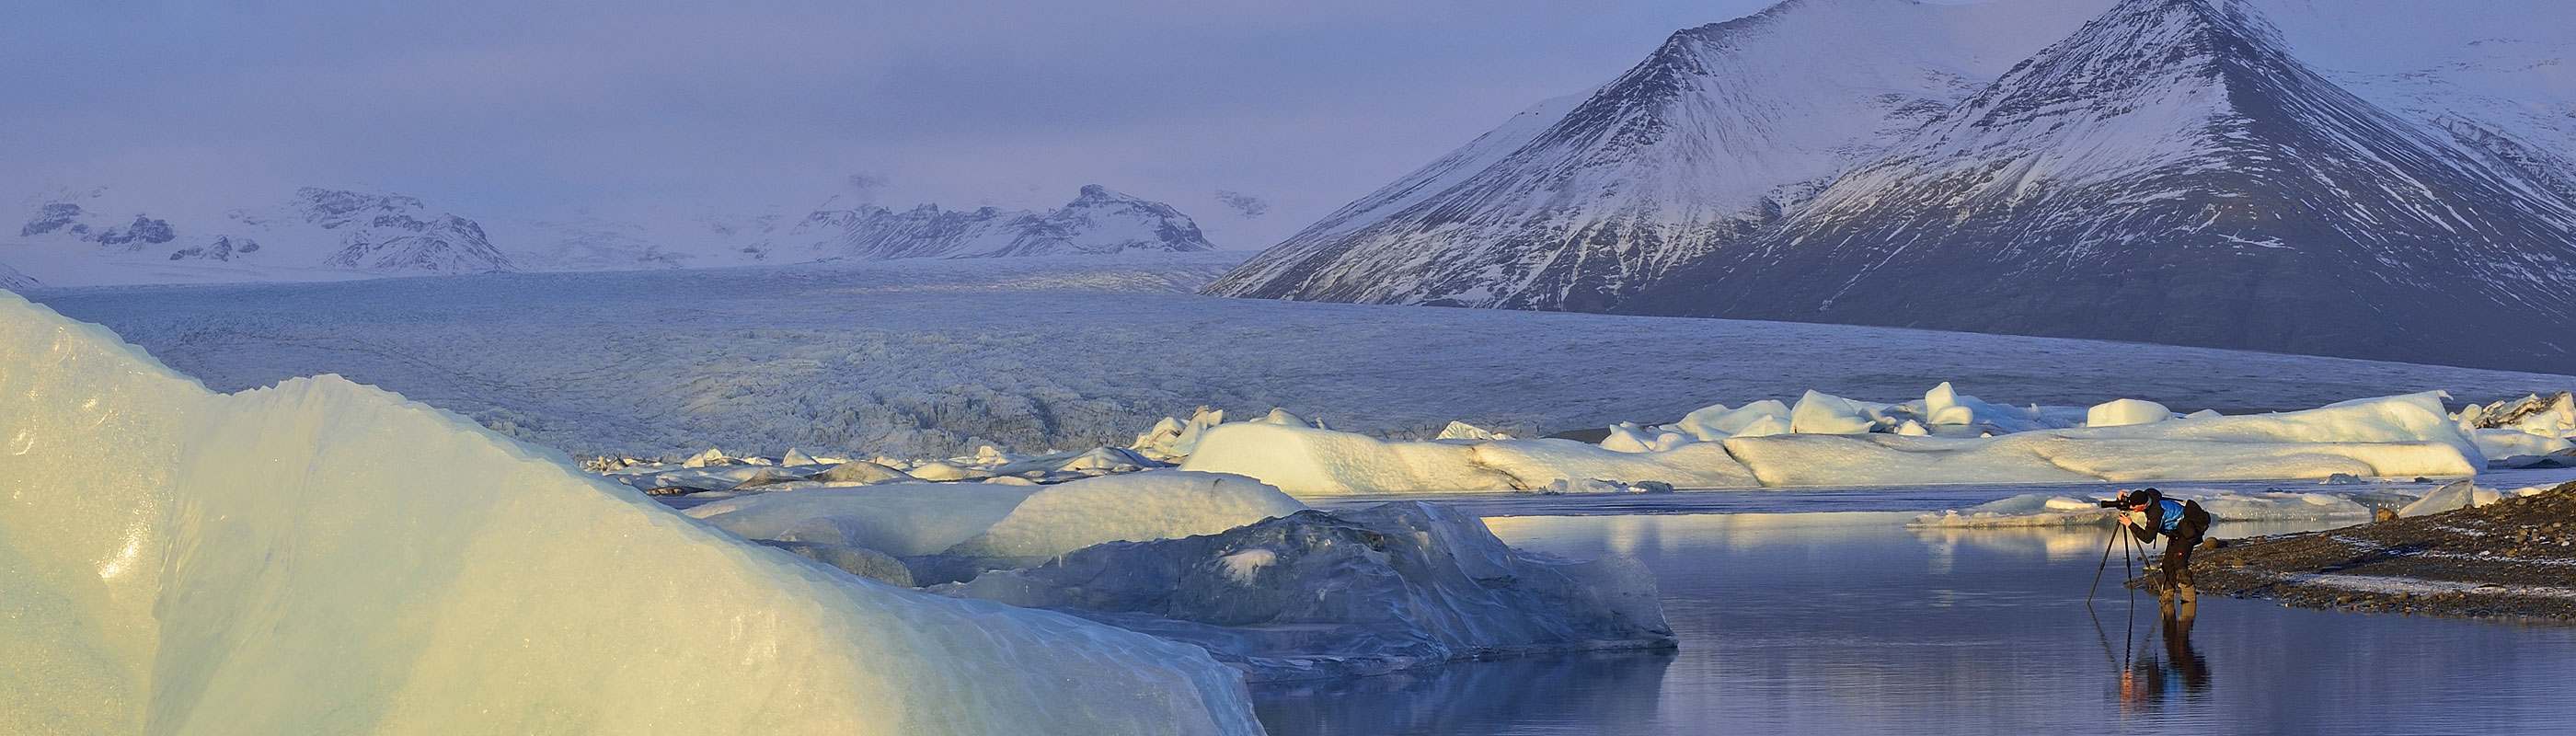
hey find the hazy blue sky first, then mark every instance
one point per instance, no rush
(512, 107)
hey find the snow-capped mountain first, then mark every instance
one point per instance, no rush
(1096, 222)
(383, 233)
(1578, 201)
(99, 236)
(2165, 170)
(2171, 173)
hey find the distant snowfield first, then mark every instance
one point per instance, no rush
(931, 358)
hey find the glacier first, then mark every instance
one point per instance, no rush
(323, 557)
(1033, 354)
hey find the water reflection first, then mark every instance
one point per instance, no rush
(2172, 674)
(1585, 693)
(1852, 623)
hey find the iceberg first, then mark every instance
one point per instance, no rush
(2397, 436)
(993, 520)
(274, 561)
(2498, 444)
(1316, 462)
(1347, 593)
(2124, 412)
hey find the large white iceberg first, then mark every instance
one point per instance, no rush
(324, 557)
(2397, 436)
(1310, 461)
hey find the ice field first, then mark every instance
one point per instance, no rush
(937, 358)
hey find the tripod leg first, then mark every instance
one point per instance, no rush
(2098, 569)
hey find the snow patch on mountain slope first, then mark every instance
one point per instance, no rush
(1577, 201)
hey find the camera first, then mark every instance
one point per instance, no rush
(2110, 503)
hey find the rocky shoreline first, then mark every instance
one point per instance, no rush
(2515, 558)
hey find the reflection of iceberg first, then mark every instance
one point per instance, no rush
(323, 557)
(1605, 692)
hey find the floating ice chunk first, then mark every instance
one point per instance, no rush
(1156, 504)
(1284, 417)
(1308, 461)
(1305, 461)
(1172, 438)
(712, 456)
(177, 561)
(1626, 439)
(2203, 414)
(1819, 413)
(1097, 458)
(1885, 459)
(2454, 495)
(2499, 444)
(702, 478)
(2401, 436)
(2124, 412)
(796, 457)
(1350, 593)
(1716, 422)
(1457, 430)
(1532, 464)
(1941, 406)
(944, 471)
(1765, 427)
(2410, 418)
(2281, 507)
(2139, 460)
(862, 472)
(1631, 438)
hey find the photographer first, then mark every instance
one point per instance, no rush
(2147, 513)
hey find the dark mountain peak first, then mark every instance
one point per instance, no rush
(2169, 173)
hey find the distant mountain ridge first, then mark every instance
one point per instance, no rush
(96, 236)
(1098, 221)
(2165, 170)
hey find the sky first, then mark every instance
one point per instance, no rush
(650, 108)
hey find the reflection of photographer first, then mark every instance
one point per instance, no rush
(2148, 513)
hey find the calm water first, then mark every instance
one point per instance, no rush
(1850, 623)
